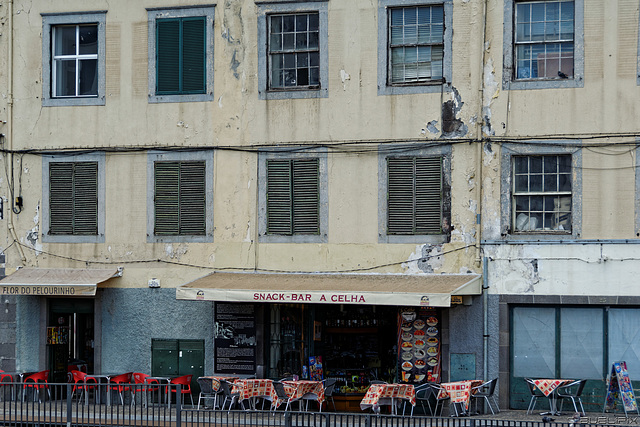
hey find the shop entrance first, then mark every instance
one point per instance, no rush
(70, 337)
(286, 340)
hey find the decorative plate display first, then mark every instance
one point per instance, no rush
(432, 321)
(407, 345)
(407, 366)
(409, 316)
(420, 364)
(432, 331)
(432, 351)
(407, 326)
(418, 344)
(418, 378)
(432, 361)
(419, 324)
(406, 355)
(432, 341)
(420, 354)
(406, 336)
(419, 334)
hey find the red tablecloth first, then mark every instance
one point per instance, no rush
(297, 389)
(215, 380)
(252, 388)
(547, 386)
(459, 391)
(380, 394)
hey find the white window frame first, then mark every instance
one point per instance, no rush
(49, 22)
(76, 57)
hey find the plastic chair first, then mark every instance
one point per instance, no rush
(329, 387)
(185, 382)
(80, 380)
(485, 391)
(8, 384)
(572, 391)
(37, 381)
(230, 397)
(282, 396)
(535, 394)
(141, 386)
(207, 392)
(120, 383)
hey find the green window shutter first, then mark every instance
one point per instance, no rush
(166, 198)
(414, 195)
(61, 198)
(168, 56)
(193, 55)
(192, 198)
(279, 201)
(85, 198)
(306, 200)
(73, 198)
(428, 195)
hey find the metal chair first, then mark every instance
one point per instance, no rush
(572, 391)
(424, 393)
(207, 391)
(441, 396)
(535, 394)
(329, 387)
(230, 397)
(282, 396)
(485, 391)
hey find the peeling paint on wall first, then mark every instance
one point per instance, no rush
(175, 253)
(248, 236)
(452, 126)
(429, 260)
(489, 93)
(344, 76)
(431, 127)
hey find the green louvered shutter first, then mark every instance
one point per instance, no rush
(193, 55)
(73, 198)
(85, 198)
(428, 195)
(166, 200)
(192, 198)
(61, 198)
(306, 200)
(279, 203)
(168, 56)
(414, 195)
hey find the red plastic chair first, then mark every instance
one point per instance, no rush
(81, 380)
(9, 379)
(120, 383)
(140, 380)
(37, 381)
(185, 382)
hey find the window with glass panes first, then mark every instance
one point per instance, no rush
(293, 196)
(544, 37)
(179, 198)
(542, 193)
(415, 195)
(294, 51)
(416, 44)
(73, 198)
(74, 68)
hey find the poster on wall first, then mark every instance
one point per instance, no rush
(234, 338)
(418, 345)
(619, 387)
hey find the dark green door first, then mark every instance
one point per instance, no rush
(172, 358)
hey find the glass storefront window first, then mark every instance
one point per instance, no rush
(534, 342)
(582, 343)
(624, 339)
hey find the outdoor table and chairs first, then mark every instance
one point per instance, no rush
(253, 389)
(545, 388)
(388, 394)
(13, 380)
(157, 386)
(459, 393)
(211, 388)
(305, 390)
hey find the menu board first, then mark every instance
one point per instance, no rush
(418, 344)
(619, 387)
(315, 368)
(57, 335)
(234, 338)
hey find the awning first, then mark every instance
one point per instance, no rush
(78, 282)
(433, 290)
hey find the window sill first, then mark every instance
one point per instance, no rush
(576, 82)
(69, 102)
(71, 238)
(201, 97)
(294, 94)
(413, 238)
(417, 88)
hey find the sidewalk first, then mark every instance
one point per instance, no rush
(618, 418)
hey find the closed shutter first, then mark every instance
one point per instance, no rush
(180, 199)
(192, 198)
(167, 56)
(193, 55)
(306, 201)
(279, 213)
(414, 195)
(73, 198)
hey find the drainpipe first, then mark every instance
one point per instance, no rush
(9, 137)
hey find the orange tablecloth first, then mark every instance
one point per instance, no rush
(459, 391)
(547, 386)
(297, 389)
(384, 394)
(252, 388)
(215, 380)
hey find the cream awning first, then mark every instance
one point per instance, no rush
(433, 290)
(68, 282)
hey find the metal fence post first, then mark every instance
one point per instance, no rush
(69, 401)
(367, 421)
(178, 403)
(287, 419)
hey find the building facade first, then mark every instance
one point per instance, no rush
(249, 184)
